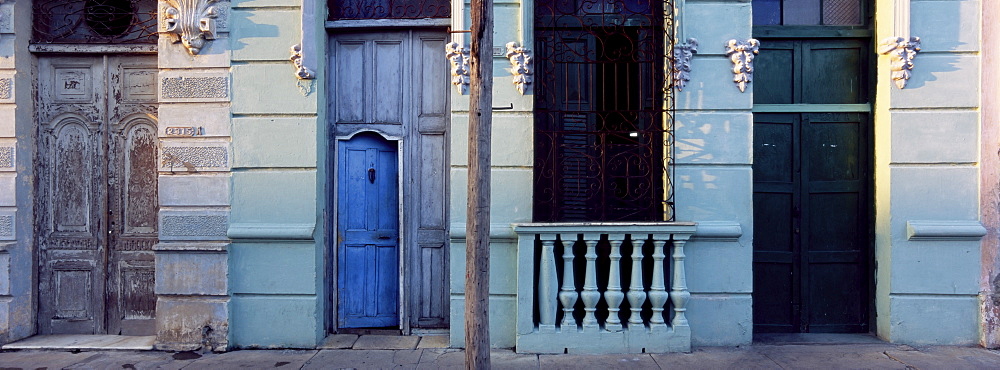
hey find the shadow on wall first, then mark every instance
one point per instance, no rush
(244, 27)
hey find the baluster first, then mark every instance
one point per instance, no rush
(547, 285)
(614, 295)
(636, 295)
(568, 294)
(658, 291)
(679, 294)
(590, 295)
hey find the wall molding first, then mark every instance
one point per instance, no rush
(921, 230)
(723, 231)
(271, 231)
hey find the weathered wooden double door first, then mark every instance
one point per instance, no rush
(812, 204)
(96, 201)
(388, 118)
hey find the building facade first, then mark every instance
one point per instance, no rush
(265, 173)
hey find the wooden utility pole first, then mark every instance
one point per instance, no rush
(477, 257)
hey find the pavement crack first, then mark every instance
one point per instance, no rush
(771, 359)
(307, 362)
(656, 363)
(908, 366)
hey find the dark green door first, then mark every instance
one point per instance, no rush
(811, 186)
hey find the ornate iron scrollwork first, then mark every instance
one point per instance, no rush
(191, 22)
(94, 21)
(902, 52)
(742, 54)
(391, 9)
(603, 134)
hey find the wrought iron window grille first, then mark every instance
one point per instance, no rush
(388, 9)
(95, 21)
(603, 110)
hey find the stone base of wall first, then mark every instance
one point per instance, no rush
(187, 324)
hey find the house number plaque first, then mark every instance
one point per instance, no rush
(183, 131)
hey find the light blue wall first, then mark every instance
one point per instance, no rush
(713, 178)
(926, 156)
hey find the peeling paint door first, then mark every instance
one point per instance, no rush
(397, 83)
(96, 220)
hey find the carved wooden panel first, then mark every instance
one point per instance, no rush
(99, 192)
(72, 159)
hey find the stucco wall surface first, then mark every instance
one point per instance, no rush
(276, 261)
(927, 172)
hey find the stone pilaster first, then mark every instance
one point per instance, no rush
(195, 90)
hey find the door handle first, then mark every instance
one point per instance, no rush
(371, 175)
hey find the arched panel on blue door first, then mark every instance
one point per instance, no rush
(368, 232)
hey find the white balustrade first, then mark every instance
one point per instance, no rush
(568, 294)
(601, 331)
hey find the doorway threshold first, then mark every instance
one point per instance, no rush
(816, 338)
(83, 342)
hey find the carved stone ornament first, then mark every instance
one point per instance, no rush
(902, 52)
(742, 54)
(301, 71)
(459, 57)
(191, 22)
(683, 53)
(520, 62)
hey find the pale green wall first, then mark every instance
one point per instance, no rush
(276, 259)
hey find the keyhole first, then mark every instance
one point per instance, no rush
(371, 175)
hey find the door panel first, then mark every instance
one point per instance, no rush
(368, 235)
(810, 233)
(395, 83)
(98, 193)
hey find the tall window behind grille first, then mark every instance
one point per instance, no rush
(603, 111)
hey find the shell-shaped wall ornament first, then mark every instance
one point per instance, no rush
(520, 63)
(191, 22)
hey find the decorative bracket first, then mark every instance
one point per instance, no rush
(459, 57)
(191, 22)
(301, 71)
(683, 53)
(520, 61)
(902, 52)
(742, 54)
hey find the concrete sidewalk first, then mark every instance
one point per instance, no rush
(843, 356)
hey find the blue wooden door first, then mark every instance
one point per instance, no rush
(368, 233)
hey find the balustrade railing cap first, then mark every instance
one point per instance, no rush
(607, 227)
